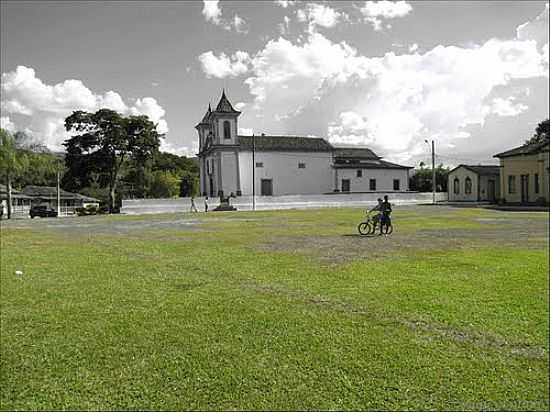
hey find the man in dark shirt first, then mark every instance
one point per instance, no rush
(386, 213)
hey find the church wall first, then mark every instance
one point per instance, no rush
(287, 177)
(219, 127)
(384, 179)
(229, 168)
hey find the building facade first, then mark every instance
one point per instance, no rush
(525, 173)
(473, 183)
(285, 165)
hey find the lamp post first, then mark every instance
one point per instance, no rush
(253, 172)
(433, 170)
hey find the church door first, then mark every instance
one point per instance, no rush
(267, 187)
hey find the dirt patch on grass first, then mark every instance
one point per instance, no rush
(337, 249)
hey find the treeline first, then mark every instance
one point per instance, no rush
(109, 157)
(421, 180)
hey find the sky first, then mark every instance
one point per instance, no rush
(473, 76)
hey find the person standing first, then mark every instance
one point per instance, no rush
(206, 204)
(193, 206)
(386, 213)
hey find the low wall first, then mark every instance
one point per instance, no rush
(139, 206)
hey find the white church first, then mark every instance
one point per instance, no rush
(285, 165)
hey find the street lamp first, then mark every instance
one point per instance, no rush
(433, 169)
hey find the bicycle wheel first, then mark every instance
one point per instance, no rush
(364, 228)
(387, 229)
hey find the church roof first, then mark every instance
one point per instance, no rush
(224, 106)
(285, 144)
(206, 117)
(370, 164)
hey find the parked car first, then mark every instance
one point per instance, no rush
(42, 211)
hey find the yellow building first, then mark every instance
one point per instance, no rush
(525, 173)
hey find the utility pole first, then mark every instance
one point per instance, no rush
(253, 172)
(58, 196)
(433, 172)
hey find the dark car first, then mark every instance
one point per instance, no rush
(42, 211)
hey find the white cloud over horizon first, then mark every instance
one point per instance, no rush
(40, 109)
(212, 13)
(393, 102)
(316, 14)
(377, 12)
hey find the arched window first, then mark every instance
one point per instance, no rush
(456, 186)
(468, 186)
(226, 129)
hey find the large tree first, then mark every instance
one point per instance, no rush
(542, 132)
(103, 141)
(11, 163)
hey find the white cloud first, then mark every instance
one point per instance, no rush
(211, 11)
(40, 109)
(224, 66)
(536, 29)
(239, 24)
(413, 48)
(240, 105)
(506, 107)
(285, 3)
(319, 15)
(7, 124)
(375, 12)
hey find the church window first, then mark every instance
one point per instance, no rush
(226, 129)
(396, 184)
(456, 186)
(259, 164)
(372, 184)
(359, 173)
(301, 165)
(468, 186)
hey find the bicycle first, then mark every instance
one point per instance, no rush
(368, 227)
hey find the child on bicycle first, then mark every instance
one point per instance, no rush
(378, 208)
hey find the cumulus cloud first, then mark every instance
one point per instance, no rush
(376, 12)
(7, 124)
(224, 66)
(319, 15)
(536, 29)
(40, 109)
(285, 3)
(212, 12)
(506, 107)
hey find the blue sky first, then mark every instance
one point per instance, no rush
(471, 75)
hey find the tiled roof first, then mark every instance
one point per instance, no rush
(371, 164)
(348, 152)
(526, 149)
(285, 144)
(50, 192)
(481, 170)
(224, 106)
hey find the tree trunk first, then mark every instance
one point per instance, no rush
(8, 188)
(111, 197)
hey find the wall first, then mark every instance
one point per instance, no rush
(364, 200)
(229, 177)
(384, 179)
(525, 165)
(462, 173)
(484, 187)
(219, 127)
(282, 168)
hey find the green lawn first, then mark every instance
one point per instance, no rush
(276, 310)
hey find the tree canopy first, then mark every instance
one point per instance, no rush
(102, 142)
(542, 132)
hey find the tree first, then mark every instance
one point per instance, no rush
(421, 181)
(103, 141)
(542, 132)
(11, 162)
(165, 184)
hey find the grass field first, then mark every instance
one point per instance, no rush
(276, 310)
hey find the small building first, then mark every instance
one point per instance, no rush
(47, 195)
(20, 203)
(525, 173)
(473, 183)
